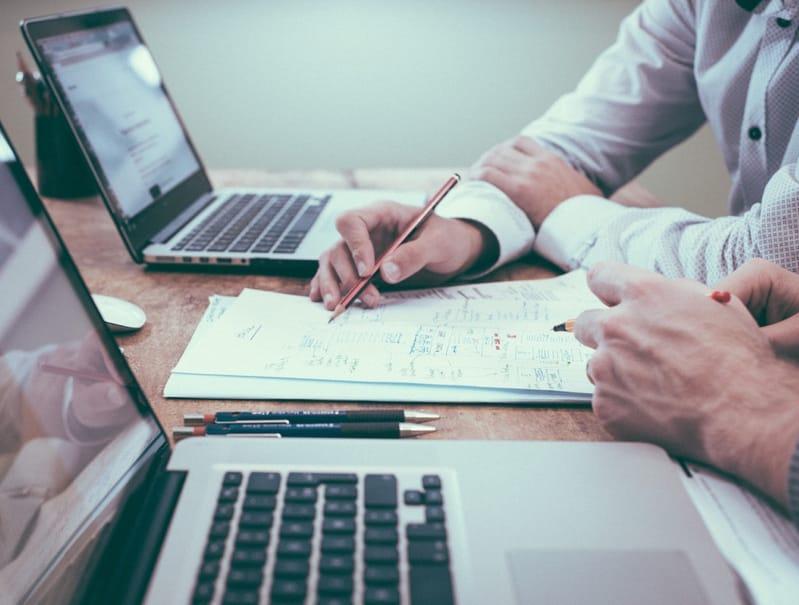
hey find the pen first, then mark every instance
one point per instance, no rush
(425, 213)
(721, 296)
(378, 430)
(73, 373)
(309, 417)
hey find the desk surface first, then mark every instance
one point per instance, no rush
(174, 303)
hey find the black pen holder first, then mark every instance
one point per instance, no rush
(62, 170)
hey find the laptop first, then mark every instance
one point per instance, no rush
(147, 170)
(95, 508)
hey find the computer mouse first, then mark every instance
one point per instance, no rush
(119, 315)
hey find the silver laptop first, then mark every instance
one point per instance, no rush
(147, 170)
(94, 508)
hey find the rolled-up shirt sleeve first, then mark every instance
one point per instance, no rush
(673, 241)
(638, 99)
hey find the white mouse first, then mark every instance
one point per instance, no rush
(119, 315)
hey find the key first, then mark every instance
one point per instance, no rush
(413, 497)
(338, 526)
(380, 517)
(299, 512)
(203, 593)
(240, 597)
(248, 578)
(214, 550)
(334, 585)
(336, 565)
(263, 483)
(341, 492)
(289, 589)
(252, 537)
(433, 498)
(380, 491)
(292, 568)
(434, 514)
(338, 544)
(431, 482)
(301, 494)
(380, 554)
(302, 479)
(374, 595)
(334, 600)
(228, 494)
(255, 519)
(430, 552)
(231, 479)
(209, 570)
(430, 584)
(381, 574)
(253, 502)
(219, 530)
(380, 535)
(346, 478)
(339, 508)
(224, 511)
(425, 531)
(296, 529)
(294, 548)
(248, 557)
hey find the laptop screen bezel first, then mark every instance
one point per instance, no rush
(138, 231)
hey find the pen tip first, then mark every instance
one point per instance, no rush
(408, 429)
(336, 312)
(421, 416)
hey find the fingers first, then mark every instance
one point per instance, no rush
(770, 292)
(329, 291)
(357, 228)
(336, 276)
(612, 282)
(497, 178)
(587, 327)
(526, 145)
(408, 260)
(784, 337)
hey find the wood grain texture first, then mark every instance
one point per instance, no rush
(175, 301)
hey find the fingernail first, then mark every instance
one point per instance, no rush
(391, 271)
(361, 266)
(328, 298)
(371, 299)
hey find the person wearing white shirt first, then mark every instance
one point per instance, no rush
(675, 65)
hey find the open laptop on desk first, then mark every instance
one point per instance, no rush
(94, 508)
(149, 173)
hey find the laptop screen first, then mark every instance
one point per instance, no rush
(73, 422)
(113, 92)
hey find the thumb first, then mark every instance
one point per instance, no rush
(408, 260)
(784, 336)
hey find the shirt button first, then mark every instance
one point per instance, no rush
(755, 133)
(783, 22)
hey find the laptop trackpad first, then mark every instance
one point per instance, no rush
(604, 577)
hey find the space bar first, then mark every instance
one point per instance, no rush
(431, 584)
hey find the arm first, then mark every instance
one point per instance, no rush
(673, 241)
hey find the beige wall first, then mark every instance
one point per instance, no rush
(335, 83)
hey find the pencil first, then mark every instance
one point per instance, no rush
(720, 296)
(426, 212)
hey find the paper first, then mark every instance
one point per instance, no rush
(759, 542)
(265, 334)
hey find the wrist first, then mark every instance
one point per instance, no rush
(482, 246)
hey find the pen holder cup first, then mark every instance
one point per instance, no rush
(62, 170)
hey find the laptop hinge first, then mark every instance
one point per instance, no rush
(182, 219)
(130, 556)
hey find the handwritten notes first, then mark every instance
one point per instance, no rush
(494, 336)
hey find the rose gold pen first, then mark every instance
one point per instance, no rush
(428, 209)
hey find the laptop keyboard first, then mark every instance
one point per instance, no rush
(255, 223)
(326, 538)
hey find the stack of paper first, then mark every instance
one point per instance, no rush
(469, 343)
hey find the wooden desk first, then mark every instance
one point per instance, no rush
(174, 303)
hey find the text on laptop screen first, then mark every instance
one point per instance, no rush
(69, 427)
(114, 94)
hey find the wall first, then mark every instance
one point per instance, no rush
(337, 83)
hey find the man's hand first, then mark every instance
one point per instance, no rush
(700, 378)
(771, 294)
(440, 249)
(535, 179)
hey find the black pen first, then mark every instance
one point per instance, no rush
(309, 417)
(376, 430)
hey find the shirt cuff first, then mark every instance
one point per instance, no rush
(793, 486)
(570, 231)
(483, 203)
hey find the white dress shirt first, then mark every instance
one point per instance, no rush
(675, 65)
